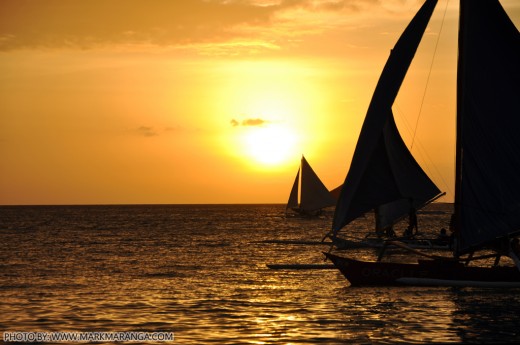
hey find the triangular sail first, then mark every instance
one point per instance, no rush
(314, 194)
(293, 197)
(488, 125)
(382, 168)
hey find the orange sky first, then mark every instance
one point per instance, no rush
(202, 101)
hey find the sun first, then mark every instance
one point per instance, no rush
(270, 145)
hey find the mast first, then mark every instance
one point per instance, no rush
(456, 220)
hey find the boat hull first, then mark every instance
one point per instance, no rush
(345, 244)
(425, 273)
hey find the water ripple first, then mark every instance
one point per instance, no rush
(200, 271)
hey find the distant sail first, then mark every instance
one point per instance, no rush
(314, 196)
(488, 160)
(383, 170)
(293, 197)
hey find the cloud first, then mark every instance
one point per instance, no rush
(88, 23)
(248, 122)
(253, 122)
(147, 131)
(96, 23)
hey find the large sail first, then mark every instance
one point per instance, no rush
(488, 125)
(382, 169)
(314, 194)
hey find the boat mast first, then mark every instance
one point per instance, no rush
(457, 219)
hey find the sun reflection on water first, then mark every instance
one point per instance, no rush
(200, 272)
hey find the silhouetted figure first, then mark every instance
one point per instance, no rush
(412, 222)
(443, 237)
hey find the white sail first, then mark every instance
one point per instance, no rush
(383, 170)
(487, 201)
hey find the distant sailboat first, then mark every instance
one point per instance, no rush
(487, 188)
(313, 195)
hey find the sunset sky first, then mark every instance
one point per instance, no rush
(208, 101)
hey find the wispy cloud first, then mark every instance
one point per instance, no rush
(86, 23)
(93, 23)
(147, 131)
(248, 122)
(150, 131)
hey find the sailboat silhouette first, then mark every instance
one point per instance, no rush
(487, 188)
(314, 196)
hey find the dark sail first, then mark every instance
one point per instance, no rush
(293, 197)
(488, 125)
(314, 194)
(383, 169)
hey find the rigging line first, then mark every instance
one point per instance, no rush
(429, 74)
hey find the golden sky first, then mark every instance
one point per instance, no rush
(208, 101)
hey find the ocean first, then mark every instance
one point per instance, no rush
(199, 271)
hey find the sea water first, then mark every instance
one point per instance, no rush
(199, 271)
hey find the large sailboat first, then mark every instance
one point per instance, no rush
(486, 220)
(384, 176)
(312, 194)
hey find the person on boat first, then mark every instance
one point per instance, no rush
(443, 237)
(412, 222)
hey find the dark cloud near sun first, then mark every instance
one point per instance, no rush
(147, 131)
(90, 23)
(248, 122)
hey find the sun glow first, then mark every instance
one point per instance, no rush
(275, 111)
(270, 144)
